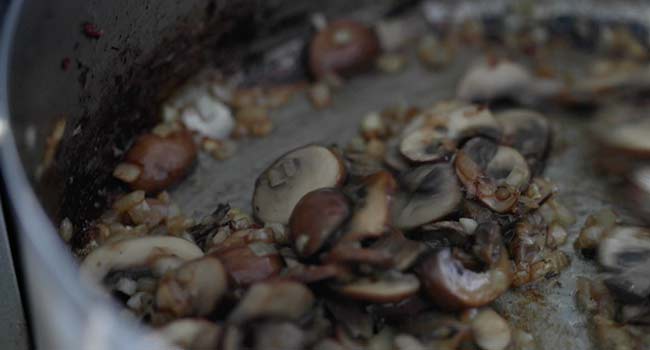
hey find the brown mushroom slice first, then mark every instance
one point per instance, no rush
(192, 333)
(280, 299)
(442, 234)
(388, 288)
(250, 263)
(137, 253)
(316, 217)
(404, 251)
(495, 174)
(288, 179)
(317, 273)
(432, 192)
(372, 215)
(194, 288)
(453, 287)
(435, 134)
(342, 48)
(163, 160)
(393, 158)
(528, 132)
(426, 145)
(353, 252)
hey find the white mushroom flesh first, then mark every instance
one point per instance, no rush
(295, 174)
(136, 253)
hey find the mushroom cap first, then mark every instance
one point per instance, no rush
(388, 288)
(194, 288)
(137, 253)
(280, 299)
(163, 160)
(431, 193)
(453, 287)
(316, 217)
(288, 179)
(528, 132)
(343, 47)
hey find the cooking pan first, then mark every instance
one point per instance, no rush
(107, 87)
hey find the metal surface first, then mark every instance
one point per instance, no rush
(13, 328)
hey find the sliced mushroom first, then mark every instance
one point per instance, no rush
(435, 133)
(453, 287)
(632, 285)
(488, 243)
(317, 273)
(281, 299)
(137, 253)
(279, 336)
(250, 263)
(432, 192)
(443, 234)
(491, 331)
(194, 288)
(353, 252)
(495, 174)
(404, 251)
(624, 247)
(529, 133)
(352, 316)
(388, 288)
(372, 214)
(163, 160)
(494, 79)
(426, 145)
(342, 48)
(288, 179)
(192, 333)
(621, 132)
(316, 217)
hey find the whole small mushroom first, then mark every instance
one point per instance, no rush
(279, 188)
(163, 161)
(342, 48)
